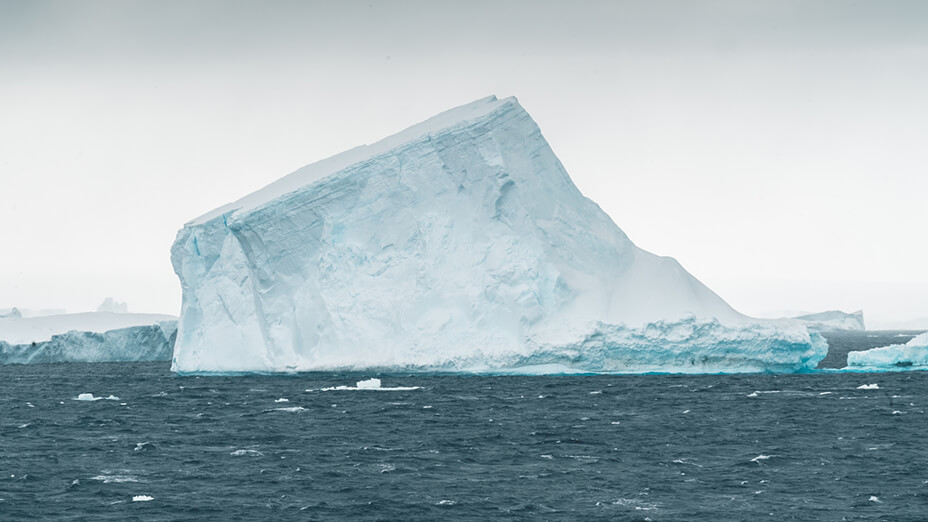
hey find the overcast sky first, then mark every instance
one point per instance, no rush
(778, 150)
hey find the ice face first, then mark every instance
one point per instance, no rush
(458, 242)
(137, 343)
(911, 355)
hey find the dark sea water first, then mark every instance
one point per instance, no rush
(658, 447)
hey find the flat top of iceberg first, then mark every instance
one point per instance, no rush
(25, 330)
(323, 168)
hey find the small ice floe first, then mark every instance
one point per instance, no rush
(874, 498)
(87, 397)
(246, 453)
(369, 384)
(142, 498)
(445, 502)
(873, 386)
(144, 446)
(282, 400)
(597, 392)
(113, 398)
(759, 458)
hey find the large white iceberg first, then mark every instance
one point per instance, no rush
(912, 355)
(459, 244)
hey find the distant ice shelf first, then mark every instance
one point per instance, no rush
(153, 342)
(459, 244)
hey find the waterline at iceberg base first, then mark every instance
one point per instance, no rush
(459, 244)
(685, 346)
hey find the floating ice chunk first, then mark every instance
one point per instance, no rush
(873, 386)
(913, 354)
(874, 498)
(142, 498)
(87, 397)
(292, 409)
(282, 400)
(113, 398)
(369, 384)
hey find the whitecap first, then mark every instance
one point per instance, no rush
(445, 502)
(282, 400)
(597, 392)
(873, 386)
(246, 452)
(825, 393)
(759, 458)
(115, 479)
(874, 498)
(113, 398)
(292, 409)
(142, 498)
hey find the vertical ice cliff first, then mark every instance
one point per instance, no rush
(460, 243)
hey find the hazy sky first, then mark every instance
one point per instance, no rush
(778, 150)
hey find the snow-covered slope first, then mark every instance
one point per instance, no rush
(154, 342)
(457, 244)
(834, 320)
(913, 354)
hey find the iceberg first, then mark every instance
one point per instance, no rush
(911, 355)
(834, 320)
(136, 343)
(459, 244)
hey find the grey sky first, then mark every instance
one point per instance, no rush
(775, 148)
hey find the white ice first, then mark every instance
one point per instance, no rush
(911, 355)
(460, 244)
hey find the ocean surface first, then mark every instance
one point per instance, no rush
(155, 446)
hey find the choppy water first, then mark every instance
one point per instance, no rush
(659, 447)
